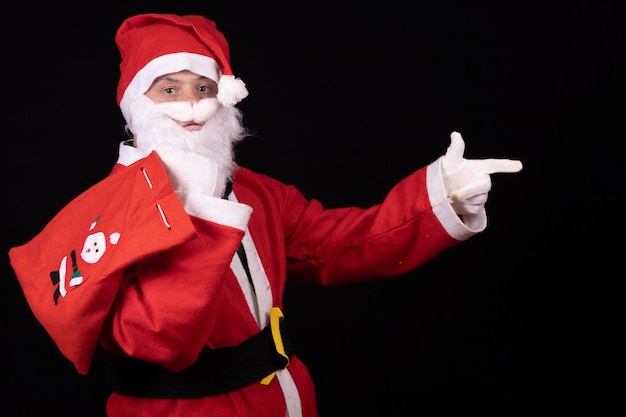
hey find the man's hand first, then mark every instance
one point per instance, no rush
(188, 170)
(467, 182)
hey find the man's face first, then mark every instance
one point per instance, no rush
(181, 109)
(182, 89)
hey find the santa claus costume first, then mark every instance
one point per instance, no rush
(185, 289)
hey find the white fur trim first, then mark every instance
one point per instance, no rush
(167, 64)
(216, 209)
(248, 291)
(231, 90)
(290, 392)
(264, 301)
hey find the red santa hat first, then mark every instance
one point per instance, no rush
(154, 44)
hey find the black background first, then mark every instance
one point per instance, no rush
(345, 100)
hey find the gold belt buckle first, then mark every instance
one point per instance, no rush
(275, 317)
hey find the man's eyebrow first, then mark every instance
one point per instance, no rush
(166, 78)
(171, 78)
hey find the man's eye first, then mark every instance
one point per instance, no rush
(168, 90)
(204, 89)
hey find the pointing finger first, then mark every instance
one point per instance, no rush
(493, 166)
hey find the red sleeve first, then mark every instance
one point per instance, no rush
(348, 245)
(168, 308)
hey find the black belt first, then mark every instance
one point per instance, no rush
(217, 371)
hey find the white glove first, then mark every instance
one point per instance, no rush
(467, 182)
(188, 170)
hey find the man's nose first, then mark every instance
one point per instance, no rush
(190, 96)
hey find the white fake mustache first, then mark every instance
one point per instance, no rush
(184, 111)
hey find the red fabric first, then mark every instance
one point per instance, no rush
(123, 203)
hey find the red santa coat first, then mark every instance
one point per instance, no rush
(169, 284)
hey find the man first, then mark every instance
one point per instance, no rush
(177, 262)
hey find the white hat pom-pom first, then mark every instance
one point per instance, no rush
(231, 90)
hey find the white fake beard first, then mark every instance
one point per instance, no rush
(151, 127)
